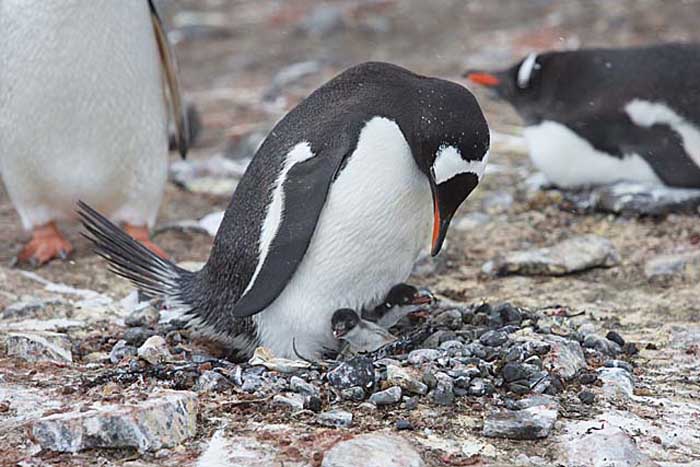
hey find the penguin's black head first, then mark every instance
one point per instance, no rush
(520, 84)
(343, 321)
(450, 146)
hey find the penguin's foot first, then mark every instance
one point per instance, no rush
(141, 234)
(46, 244)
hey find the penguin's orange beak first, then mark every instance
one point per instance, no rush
(435, 247)
(483, 78)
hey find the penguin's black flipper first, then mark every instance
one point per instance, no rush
(169, 65)
(155, 276)
(305, 191)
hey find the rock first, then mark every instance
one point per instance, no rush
(420, 356)
(601, 344)
(300, 386)
(405, 379)
(644, 199)
(289, 400)
(39, 347)
(375, 450)
(154, 350)
(616, 382)
(144, 316)
(387, 397)
(354, 393)
(615, 337)
(120, 350)
(534, 419)
(517, 371)
(443, 394)
(137, 336)
(212, 381)
(238, 451)
(587, 397)
(323, 20)
(493, 338)
(358, 371)
(26, 307)
(682, 265)
(451, 319)
(619, 364)
(565, 357)
(572, 255)
(403, 424)
(598, 444)
(165, 420)
(335, 418)
(478, 387)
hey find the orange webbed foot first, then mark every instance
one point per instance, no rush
(46, 244)
(141, 234)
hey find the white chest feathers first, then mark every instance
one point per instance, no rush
(569, 160)
(375, 223)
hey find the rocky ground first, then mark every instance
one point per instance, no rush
(566, 330)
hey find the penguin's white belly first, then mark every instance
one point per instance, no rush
(83, 113)
(569, 161)
(377, 219)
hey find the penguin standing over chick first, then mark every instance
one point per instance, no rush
(84, 115)
(334, 209)
(598, 116)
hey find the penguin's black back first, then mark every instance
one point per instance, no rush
(588, 81)
(429, 112)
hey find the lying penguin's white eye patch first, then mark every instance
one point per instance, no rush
(449, 163)
(525, 71)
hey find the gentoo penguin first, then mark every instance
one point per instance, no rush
(358, 335)
(598, 116)
(84, 114)
(338, 202)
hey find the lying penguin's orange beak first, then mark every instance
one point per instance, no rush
(483, 78)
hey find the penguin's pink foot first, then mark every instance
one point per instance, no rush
(46, 244)
(141, 234)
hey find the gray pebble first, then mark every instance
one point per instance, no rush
(120, 350)
(386, 397)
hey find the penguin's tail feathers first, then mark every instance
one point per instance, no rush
(155, 276)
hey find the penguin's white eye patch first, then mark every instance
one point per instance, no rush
(449, 163)
(525, 71)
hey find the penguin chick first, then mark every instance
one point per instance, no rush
(339, 201)
(600, 116)
(84, 115)
(401, 301)
(357, 334)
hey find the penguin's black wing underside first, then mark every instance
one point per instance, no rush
(169, 65)
(305, 192)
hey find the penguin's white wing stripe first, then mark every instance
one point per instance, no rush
(647, 114)
(449, 163)
(299, 153)
(525, 71)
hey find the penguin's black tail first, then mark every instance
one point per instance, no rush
(155, 276)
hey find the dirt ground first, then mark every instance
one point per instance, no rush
(228, 67)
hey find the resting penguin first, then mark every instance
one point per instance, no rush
(598, 116)
(84, 114)
(337, 204)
